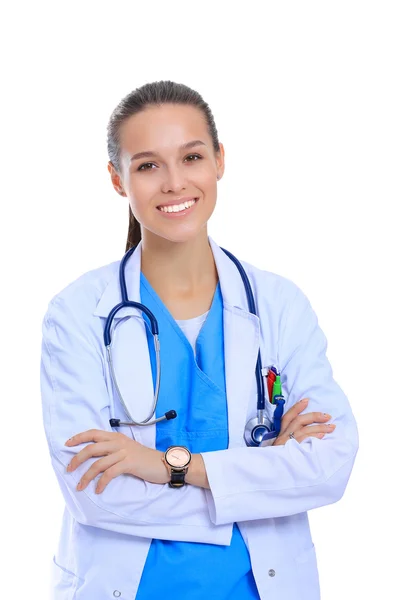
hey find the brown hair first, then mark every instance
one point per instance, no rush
(151, 94)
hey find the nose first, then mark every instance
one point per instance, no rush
(174, 179)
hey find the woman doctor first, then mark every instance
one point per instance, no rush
(230, 522)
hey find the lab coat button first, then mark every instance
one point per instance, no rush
(116, 594)
(271, 573)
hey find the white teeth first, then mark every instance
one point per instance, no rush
(178, 207)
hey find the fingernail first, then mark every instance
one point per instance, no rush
(304, 401)
(328, 416)
(320, 435)
(331, 426)
(79, 486)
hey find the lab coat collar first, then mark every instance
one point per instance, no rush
(112, 294)
(232, 288)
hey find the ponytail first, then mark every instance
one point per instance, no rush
(134, 232)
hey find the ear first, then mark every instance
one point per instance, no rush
(220, 159)
(115, 179)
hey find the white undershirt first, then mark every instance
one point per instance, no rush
(191, 328)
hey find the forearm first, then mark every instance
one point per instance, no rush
(151, 468)
(260, 483)
(136, 507)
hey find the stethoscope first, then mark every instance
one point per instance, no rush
(257, 430)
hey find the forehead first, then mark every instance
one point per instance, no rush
(163, 127)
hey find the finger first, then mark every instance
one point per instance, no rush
(99, 467)
(300, 436)
(281, 440)
(92, 435)
(313, 417)
(305, 430)
(293, 412)
(110, 474)
(306, 419)
(99, 449)
(302, 433)
(317, 429)
(297, 408)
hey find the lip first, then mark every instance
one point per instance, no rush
(182, 213)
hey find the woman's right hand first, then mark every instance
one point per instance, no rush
(301, 426)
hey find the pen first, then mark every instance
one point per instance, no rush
(277, 388)
(270, 383)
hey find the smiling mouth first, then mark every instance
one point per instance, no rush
(176, 208)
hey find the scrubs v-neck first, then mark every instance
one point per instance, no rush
(194, 386)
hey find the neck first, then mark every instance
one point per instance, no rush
(182, 267)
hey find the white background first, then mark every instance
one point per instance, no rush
(306, 101)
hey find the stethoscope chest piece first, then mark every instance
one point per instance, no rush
(255, 431)
(259, 429)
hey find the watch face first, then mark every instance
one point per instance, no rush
(178, 456)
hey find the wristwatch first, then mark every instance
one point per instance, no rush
(177, 459)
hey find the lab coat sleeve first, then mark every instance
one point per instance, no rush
(75, 398)
(277, 481)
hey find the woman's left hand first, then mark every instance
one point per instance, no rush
(120, 455)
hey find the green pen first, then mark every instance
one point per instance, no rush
(277, 388)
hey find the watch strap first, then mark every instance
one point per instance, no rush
(177, 477)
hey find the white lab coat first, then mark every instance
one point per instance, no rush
(105, 538)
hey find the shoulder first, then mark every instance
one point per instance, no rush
(285, 312)
(82, 295)
(272, 288)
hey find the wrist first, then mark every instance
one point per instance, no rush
(166, 467)
(197, 474)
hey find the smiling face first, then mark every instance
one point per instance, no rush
(172, 189)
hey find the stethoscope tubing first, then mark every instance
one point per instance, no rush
(258, 424)
(252, 308)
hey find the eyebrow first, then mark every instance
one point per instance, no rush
(149, 153)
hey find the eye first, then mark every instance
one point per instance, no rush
(194, 155)
(144, 165)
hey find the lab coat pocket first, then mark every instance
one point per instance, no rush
(307, 574)
(63, 582)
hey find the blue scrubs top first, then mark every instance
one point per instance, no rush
(195, 388)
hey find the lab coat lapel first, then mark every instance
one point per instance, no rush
(241, 336)
(129, 347)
